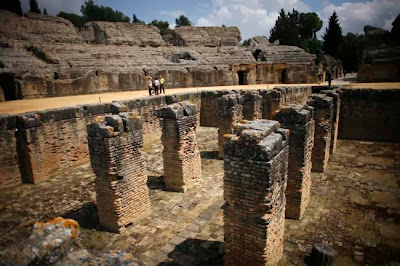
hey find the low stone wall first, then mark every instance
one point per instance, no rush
(9, 175)
(370, 114)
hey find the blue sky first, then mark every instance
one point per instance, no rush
(253, 17)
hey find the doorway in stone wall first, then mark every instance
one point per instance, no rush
(242, 77)
(282, 76)
(9, 87)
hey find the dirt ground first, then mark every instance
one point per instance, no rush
(22, 106)
(355, 208)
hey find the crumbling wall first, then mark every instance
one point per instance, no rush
(206, 36)
(299, 120)
(370, 114)
(323, 115)
(10, 175)
(115, 144)
(335, 95)
(255, 164)
(209, 108)
(182, 162)
(252, 106)
(50, 141)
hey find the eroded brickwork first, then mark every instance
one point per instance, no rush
(51, 141)
(252, 106)
(230, 112)
(255, 164)
(115, 144)
(182, 162)
(323, 114)
(9, 175)
(335, 94)
(298, 119)
(209, 108)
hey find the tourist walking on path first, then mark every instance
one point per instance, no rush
(162, 80)
(320, 76)
(329, 76)
(150, 84)
(157, 86)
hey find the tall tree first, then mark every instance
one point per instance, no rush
(44, 11)
(34, 7)
(310, 24)
(136, 20)
(93, 12)
(77, 21)
(286, 28)
(350, 51)
(11, 5)
(183, 21)
(333, 36)
(163, 26)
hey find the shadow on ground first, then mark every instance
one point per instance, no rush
(87, 216)
(196, 252)
(209, 155)
(155, 182)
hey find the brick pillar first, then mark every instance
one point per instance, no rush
(255, 164)
(323, 113)
(182, 162)
(115, 145)
(252, 107)
(272, 102)
(335, 120)
(230, 112)
(299, 121)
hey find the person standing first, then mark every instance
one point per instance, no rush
(329, 76)
(150, 84)
(162, 80)
(157, 86)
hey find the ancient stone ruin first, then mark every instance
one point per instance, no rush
(323, 114)
(182, 163)
(115, 145)
(299, 120)
(255, 164)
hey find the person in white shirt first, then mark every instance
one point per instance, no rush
(150, 82)
(156, 85)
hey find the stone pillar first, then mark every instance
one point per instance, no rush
(298, 119)
(323, 113)
(255, 164)
(335, 120)
(182, 162)
(115, 145)
(272, 103)
(230, 112)
(252, 107)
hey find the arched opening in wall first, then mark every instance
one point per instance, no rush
(9, 86)
(283, 76)
(242, 77)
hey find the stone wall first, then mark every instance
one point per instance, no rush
(206, 36)
(9, 175)
(181, 156)
(335, 95)
(299, 120)
(115, 144)
(50, 141)
(255, 165)
(323, 115)
(252, 106)
(370, 114)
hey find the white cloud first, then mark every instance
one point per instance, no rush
(354, 16)
(253, 17)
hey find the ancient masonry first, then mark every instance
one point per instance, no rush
(323, 113)
(182, 162)
(252, 107)
(298, 119)
(230, 112)
(255, 164)
(115, 145)
(335, 94)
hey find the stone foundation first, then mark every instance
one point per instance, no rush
(252, 107)
(115, 144)
(230, 112)
(255, 165)
(323, 114)
(182, 162)
(335, 94)
(299, 121)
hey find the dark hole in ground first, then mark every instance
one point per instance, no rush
(87, 216)
(155, 182)
(209, 154)
(197, 252)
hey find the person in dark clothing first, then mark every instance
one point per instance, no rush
(329, 77)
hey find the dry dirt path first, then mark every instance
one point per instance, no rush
(22, 106)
